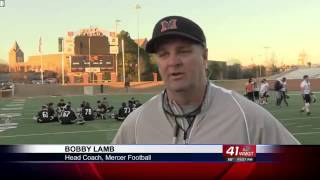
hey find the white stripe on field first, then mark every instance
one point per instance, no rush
(296, 94)
(13, 114)
(286, 110)
(18, 101)
(57, 133)
(288, 119)
(13, 105)
(21, 118)
(306, 133)
(304, 126)
(290, 124)
(11, 109)
(8, 127)
(8, 124)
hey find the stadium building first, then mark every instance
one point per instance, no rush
(3, 66)
(87, 56)
(16, 58)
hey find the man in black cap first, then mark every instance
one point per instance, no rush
(191, 110)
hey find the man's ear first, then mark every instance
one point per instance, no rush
(205, 57)
(205, 53)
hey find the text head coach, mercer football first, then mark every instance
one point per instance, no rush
(191, 110)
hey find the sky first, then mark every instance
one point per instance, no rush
(249, 31)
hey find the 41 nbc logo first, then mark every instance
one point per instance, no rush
(239, 153)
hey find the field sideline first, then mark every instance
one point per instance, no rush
(305, 128)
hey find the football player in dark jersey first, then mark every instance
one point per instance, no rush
(43, 115)
(68, 116)
(87, 112)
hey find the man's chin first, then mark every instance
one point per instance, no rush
(177, 88)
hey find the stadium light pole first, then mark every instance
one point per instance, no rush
(138, 7)
(90, 78)
(123, 68)
(266, 48)
(41, 68)
(41, 58)
(259, 55)
(62, 61)
(117, 22)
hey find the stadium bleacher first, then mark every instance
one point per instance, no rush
(313, 72)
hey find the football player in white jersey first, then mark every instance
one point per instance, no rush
(305, 87)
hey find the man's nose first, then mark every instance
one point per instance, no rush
(174, 60)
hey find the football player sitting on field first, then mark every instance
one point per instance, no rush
(106, 103)
(43, 115)
(132, 105)
(101, 110)
(68, 116)
(61, 104)
(138, 104)
(79, 110)
(52, 112)
(87, 112)
(123, 112)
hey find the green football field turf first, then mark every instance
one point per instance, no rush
(305, 128)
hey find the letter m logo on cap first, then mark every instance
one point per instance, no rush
(165, 25)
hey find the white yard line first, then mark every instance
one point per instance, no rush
(21, 118)
(11, 109)
(13, 114)
(15, 101)
(58, 133)
(296, 94)
(306, 133)
(308, 125)
(290, 124)
(13, 105)
(289, 110)
(288, 119)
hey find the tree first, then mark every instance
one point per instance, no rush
(234, 71)
(274, 69)
(154, 66)
(309, 64)
(131, 59)
(248, 73)
(214, 71)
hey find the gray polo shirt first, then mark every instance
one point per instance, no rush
(226, 117)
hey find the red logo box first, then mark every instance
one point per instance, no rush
(239, 151)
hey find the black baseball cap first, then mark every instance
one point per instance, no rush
(175, 26)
